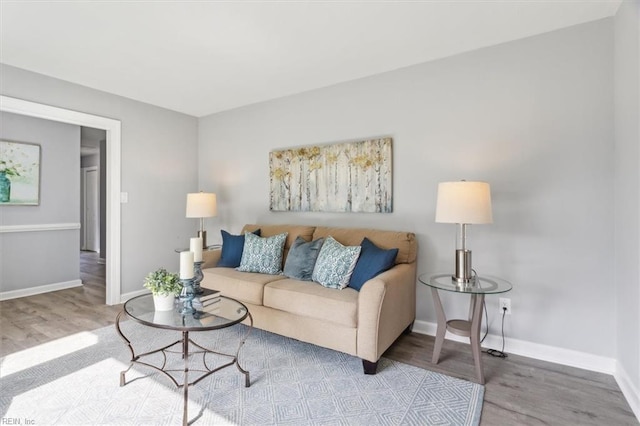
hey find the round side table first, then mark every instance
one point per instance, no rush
(470, 327)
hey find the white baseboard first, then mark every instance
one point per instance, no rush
(630, 391)
(31, 291)
(547, 353)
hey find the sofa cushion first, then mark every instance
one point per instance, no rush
(372, 261)
(232, 247)
(312, 300)
(262, 255)
(244, 286)
(405, 242)
(302, 258)
(335, 264)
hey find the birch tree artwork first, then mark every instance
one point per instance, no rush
(345, 177)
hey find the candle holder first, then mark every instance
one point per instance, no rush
(186, 296)
(197, 277)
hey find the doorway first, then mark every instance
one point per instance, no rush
(92, 212)
(93, 178)
(113, 149)
(90, 218)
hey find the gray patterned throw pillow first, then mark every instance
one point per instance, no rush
(263, 255)
(335, 264)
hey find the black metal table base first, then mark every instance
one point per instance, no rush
(184, 343)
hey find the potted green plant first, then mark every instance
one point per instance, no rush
(164, 286)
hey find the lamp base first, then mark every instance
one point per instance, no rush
(203, 235)
(463, 272)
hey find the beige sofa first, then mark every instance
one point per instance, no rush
(363, 323)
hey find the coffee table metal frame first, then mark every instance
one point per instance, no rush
(184, 344)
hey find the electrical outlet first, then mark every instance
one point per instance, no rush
(505, 303)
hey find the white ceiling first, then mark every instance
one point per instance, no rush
(202, 57)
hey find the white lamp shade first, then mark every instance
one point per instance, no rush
(464, 202)
(201, 204)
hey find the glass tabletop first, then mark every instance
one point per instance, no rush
(481, 285)
(221, 314)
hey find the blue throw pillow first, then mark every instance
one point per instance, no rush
(302, 258)
(232, 246)
(373, 261)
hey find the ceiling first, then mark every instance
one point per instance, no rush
(203, 57)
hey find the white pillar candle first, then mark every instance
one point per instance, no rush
(186, 265)
(196, 248)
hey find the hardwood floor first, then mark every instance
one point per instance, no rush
(93, 275)
(30, 321)
(525, 391)
(519, 390)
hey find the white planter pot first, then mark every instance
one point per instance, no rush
(164, 303)
(164, 317)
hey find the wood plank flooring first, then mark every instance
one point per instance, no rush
(519, 390)
(30, 321)
(525, 391)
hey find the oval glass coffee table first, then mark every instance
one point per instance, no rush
(224, 313)
(477, 288)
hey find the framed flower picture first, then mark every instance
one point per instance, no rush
(19, 173)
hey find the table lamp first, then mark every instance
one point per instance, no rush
(201, 205)
(463, 203)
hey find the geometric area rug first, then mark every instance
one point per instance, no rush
(75, 381)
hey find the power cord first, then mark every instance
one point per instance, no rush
(493, 352)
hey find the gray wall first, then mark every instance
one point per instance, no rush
(159, 158)
(54, 252)
(627, 190)
(534, 118)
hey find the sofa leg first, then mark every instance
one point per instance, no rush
(369, 367)
(408, 329)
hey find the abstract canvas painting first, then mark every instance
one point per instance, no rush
(19, 173)
(343, 177)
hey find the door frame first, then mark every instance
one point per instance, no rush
(113, 148)
(85, 228)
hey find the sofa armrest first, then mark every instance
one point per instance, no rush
(386, 307)
(210, 258)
